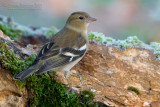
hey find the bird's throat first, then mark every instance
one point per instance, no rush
(79, 30)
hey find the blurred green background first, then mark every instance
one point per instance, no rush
(116, 18)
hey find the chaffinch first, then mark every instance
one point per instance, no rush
(64, 50)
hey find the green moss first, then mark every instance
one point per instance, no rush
(8, 29)
(130, 42)
(48, 92)
(100, 38)
(131, 88)
(11, 61)
(87, 96)
(156, 48)
(45, 91)
(14, 30)
(50, 32)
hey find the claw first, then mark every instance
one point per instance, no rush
(71, 89)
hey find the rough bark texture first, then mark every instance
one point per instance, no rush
(110, 72)
(10, 94)
(106, 71)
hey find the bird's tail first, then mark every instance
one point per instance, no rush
(24, 74)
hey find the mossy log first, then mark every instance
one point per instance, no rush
(118, 72)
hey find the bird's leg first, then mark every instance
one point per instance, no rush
(70, 86)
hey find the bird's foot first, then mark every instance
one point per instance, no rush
(71, 89)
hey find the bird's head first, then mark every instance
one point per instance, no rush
(79, 20)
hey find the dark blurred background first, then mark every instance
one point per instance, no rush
(116, 18)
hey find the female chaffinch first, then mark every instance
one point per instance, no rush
(64, 50)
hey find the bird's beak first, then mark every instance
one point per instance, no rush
(91, 19)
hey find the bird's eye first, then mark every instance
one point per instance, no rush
(81, 17)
